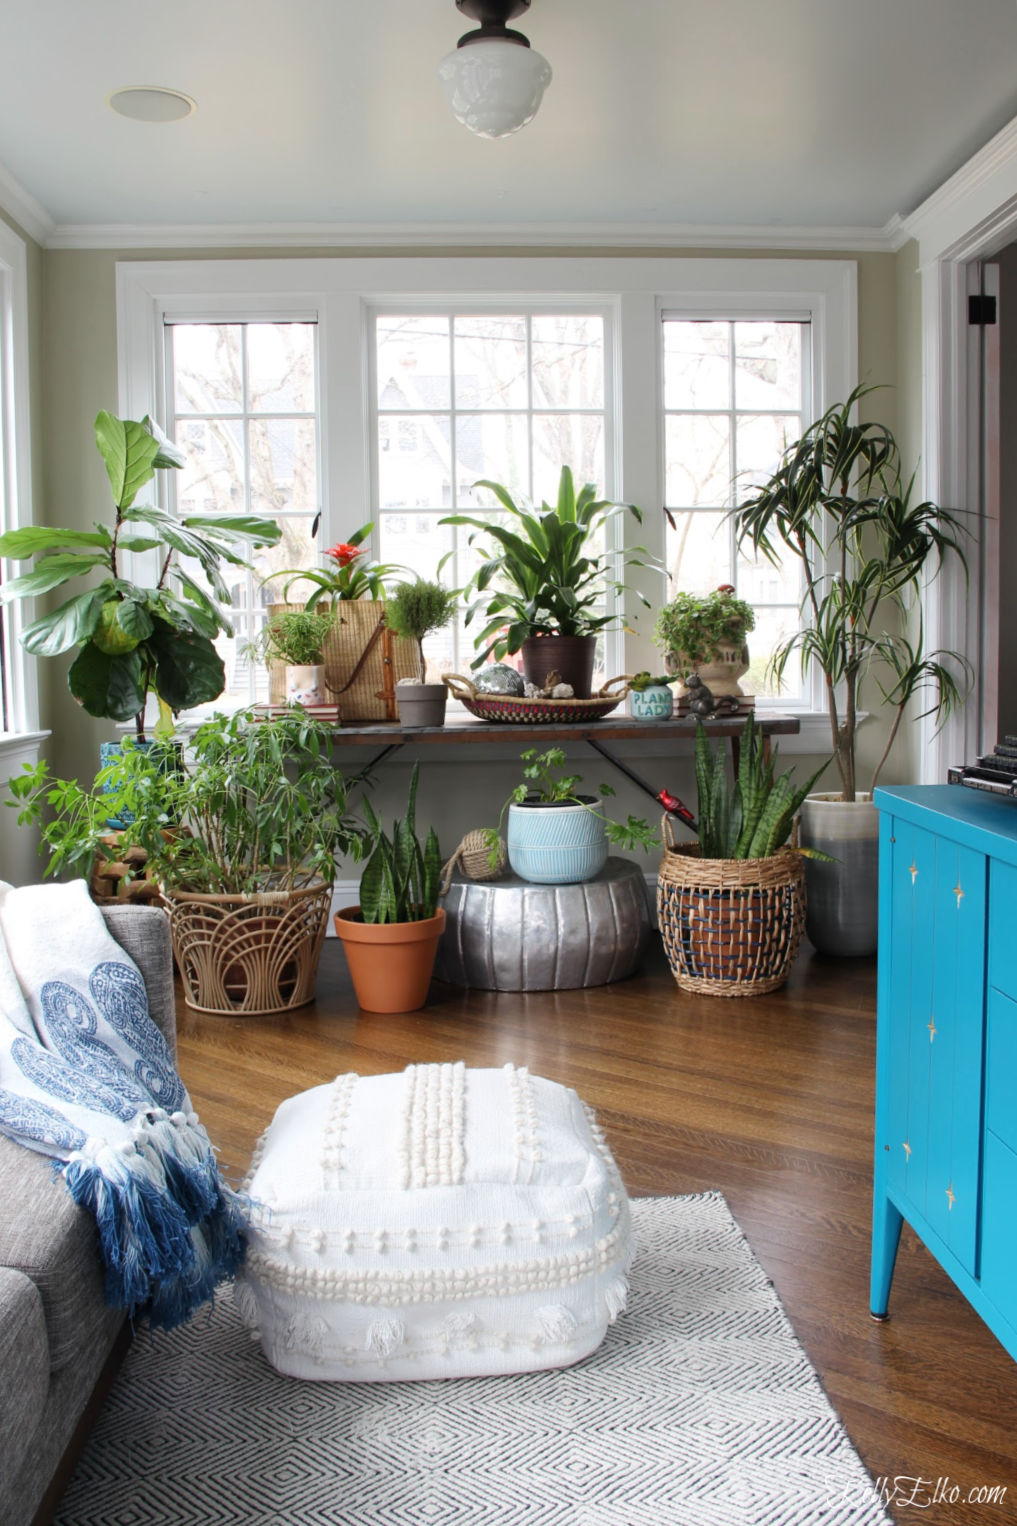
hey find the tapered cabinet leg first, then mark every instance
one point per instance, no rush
(886, 1228)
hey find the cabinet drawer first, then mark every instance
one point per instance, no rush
(999, 1227)
(1002, 942)
(1001, 1068)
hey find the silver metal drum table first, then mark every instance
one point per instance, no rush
(510, 935)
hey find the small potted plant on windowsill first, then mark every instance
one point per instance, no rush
(296, 638)
(705, 634)
(415, 610)
(650, 697)
(391, 937)
(544, 581)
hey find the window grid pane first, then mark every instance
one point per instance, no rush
(246, 414)
(734, 396)
(459, 398)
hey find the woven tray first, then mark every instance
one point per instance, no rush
(535, 712)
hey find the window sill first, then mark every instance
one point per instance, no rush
(18, 746)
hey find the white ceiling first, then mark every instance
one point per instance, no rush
(663, 114)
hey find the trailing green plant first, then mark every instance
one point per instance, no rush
(415, 609)
(133, 639)
(545, 782)
(250, 806)
(752, 816)
(542, 574)
(401, 879)
(696, 625)
(295, 636)
(838, 503)
(350, 573)
(644, 680)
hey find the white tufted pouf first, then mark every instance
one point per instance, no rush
(436, 1224)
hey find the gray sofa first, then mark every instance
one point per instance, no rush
(59, 1342)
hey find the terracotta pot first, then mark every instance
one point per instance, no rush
(572, 656)
(390, 962)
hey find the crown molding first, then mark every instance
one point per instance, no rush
(968, 208)
(23, 207)
(197, 236)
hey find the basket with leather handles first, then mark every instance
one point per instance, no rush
(518, 709)
(730, 926)
(363, 661)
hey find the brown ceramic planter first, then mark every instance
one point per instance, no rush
(572, 656)
(390, 962)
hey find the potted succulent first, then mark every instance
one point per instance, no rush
(241, 840)
(414, 610)
(705, 634)
(296, 638)
(543, 583)
(133, 639)
(363, 660)
(391, 937)
(650, 696)
(838, 504)
(731, 906)
(557, 836)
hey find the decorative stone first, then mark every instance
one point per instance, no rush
(499, 678)
(512, 935)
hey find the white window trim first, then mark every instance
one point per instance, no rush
(340, 294)
(20, 667)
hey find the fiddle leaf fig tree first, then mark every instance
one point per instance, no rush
(133, 639)
(839, 505)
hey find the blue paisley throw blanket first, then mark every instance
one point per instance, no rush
(87, 1078)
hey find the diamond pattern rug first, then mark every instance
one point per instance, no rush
(700, 1409)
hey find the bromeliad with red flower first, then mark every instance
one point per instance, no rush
(350, 573)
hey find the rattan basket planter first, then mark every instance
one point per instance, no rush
(731, 926)
(248, 955)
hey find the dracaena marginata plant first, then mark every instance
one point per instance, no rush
(838, 504)
(547, 571)
(132, 639)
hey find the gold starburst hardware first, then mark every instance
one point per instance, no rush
(933, 1030)
(958, 892)
(950, 1196)
(913, 871)
(907, 1149)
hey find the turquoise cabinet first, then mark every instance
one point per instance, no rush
(946, 1064)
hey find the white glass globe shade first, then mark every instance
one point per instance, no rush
(494, 88)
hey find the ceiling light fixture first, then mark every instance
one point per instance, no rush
(494, 81)
(151, 103)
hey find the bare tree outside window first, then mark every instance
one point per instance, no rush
(244, 399)
(734, 397)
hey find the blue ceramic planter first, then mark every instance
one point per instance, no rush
(651, 704)
(556, 844)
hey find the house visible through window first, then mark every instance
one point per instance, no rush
(734, 396)
(461, 397)
(244, 407)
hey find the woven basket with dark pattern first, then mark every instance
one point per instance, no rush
(535, 712)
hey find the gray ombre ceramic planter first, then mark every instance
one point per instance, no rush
(842, 909)
(552, 844)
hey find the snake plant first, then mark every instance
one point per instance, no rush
(752, 817)
(401, 880)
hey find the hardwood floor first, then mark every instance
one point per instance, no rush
(769, 1100)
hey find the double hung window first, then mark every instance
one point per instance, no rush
(18, 696)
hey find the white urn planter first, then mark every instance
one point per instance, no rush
(720, 674)
(842, 908)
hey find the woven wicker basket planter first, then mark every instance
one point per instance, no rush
(731, 926)
(248, 955)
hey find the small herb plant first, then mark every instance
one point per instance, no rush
(401, 879)
(252, 806)
(416, 609)
(642, 681)
(296, 637)
(695, 625)
(752, 817)
(546, 783)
